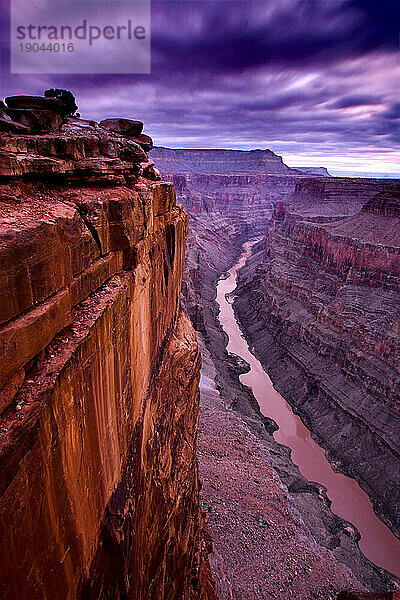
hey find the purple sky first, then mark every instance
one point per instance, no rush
(316, 81)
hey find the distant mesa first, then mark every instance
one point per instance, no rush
(315, 171)
(215, 161)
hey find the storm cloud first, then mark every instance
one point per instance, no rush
(315, 81)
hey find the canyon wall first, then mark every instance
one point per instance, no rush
(99, 371)
(334, 196)
(320, 302)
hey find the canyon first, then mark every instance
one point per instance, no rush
(222, 217)
(135, 462)
(326, 286)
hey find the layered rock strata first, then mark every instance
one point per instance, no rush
(99, 371)
(324, 197)
(211, 161)
(320, 303)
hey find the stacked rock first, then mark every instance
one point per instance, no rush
(31, 114)
(39, 135)
(133, 130)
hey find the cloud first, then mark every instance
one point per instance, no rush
(355, 100)
(294, 75)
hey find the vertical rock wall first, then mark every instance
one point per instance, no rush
(99, 371)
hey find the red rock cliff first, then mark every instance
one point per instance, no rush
(99, 372)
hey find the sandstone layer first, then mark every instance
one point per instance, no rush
(99, 371)
(320, 304)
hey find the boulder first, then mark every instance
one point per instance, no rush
(145, 141)
(152, 173)
(38, 121)
(126, 127)
(36, 102)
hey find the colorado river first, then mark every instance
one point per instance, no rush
(349, 501)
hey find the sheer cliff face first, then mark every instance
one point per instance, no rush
(322, 297)
(99, 372)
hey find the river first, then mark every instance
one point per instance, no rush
(349, 501)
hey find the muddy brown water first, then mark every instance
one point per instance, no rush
(349, 501)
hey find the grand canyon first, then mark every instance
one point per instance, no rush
(200, 374)
(308, 304)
